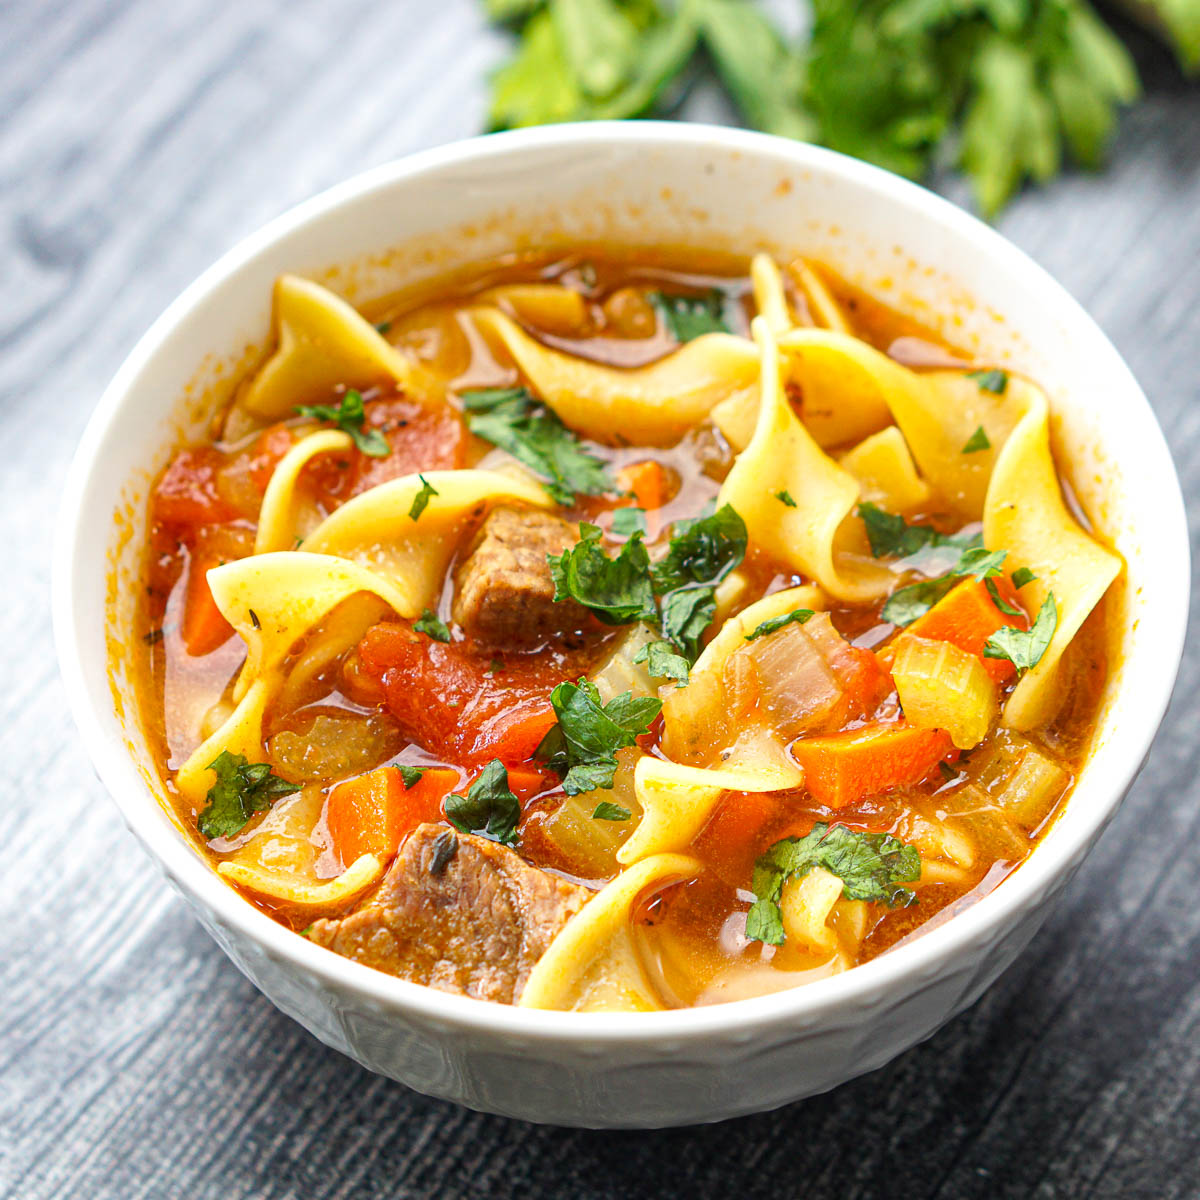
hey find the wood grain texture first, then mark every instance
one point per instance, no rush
(138, 140)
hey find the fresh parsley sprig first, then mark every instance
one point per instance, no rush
(582, 746)
(242, 788)
(349, 417)
(871, 866)
(689, 317)
(516, 421)
(490, 809)
(1024, 647)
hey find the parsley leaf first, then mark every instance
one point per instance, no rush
(349, 417)
(785, 498)
(689, 317)
(1024, 648)
(617, 590)
(1021, 576)
(241, 790)
(429, 624)
(606, 810)
(1009, 610)
(628, 521)
(410, 775)
(993, 380)
(906, 604)
(422, 498)
(980, 562)
(489, 808)
(514, 420)
(977, 441)
(582, 746)
(871, 867)
(663, 663)
(771, 624)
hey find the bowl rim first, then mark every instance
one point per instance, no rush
(898, 971)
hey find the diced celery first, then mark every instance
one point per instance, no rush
(590, 845)
(943, 687)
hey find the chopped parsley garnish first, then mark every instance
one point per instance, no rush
(628, 521)
(582, 747)
(242, 789)
(383, 327)
(771, 624)
(617, 590)
(994, 380)
(606, 810)
(1024, 647)
(662, 662)
(422, 498)
(891, 536)
(429, 624)
(906, 604)
(516, 421)
(445, 847)
(154, 636)
(349, 417)
(410, 775)
(871, 867)
(489, 808)
(1009, 610)
(977, 441)
(1021, 576)
(785, 498)
(689, 317)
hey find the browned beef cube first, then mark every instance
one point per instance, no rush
(459, 913)
(504, 593)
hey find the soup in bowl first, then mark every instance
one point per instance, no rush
(609, 625)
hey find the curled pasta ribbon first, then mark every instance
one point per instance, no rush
(1025, 515)
(782, 456)
(322, 342)
(593, 964)
(886, 473)
(769, 297)
(653, 405)
(279, 887)
(285, 515)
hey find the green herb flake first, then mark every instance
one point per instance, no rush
(410, 775)
(906, 604)
(583, 745)
(690, 317)
(771, 624)
(154, 636)
(1024, 648)
(618, 590)
(994, 381)
(606, 810)
(383, 327)
(628, 521)
(242, 789)
(1021, 576)
(977, 441)
(422, 498)
(349, 417)
(785, 498)
(514, 420)
(871, 866)
(662, 662)
(429, 624)
(1009, 610)
(489, 809)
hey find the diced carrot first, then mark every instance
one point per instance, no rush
(526, 780)
(967, 616)
(648, 482)
(843, 768)
(202, 628)
(730, 839)
(372, 813)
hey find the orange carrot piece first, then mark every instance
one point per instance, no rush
(647, 480)
(372, 813)
(739, 819)
(844, 768)
(526, 780)
(966, 617)
(203, 628)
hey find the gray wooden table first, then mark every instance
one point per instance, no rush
(138, 140)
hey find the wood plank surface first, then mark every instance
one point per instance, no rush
(138, 140)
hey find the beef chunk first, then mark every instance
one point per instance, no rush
(459, 913)
(504, 593)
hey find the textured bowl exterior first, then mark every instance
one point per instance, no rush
(638, 184)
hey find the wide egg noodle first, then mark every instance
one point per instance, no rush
(770, 299)
(592, 965)
(322, 343)
(1026, 516)
(287, 514)
(653, 405)
(783, 457)
(886, 473)
(281, 888)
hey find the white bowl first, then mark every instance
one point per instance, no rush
(648, 184)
